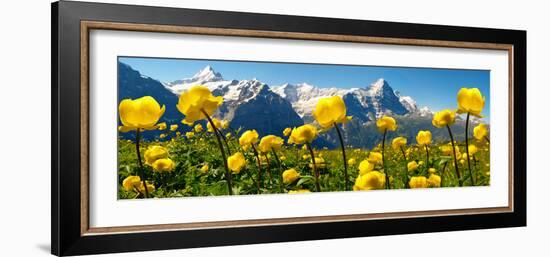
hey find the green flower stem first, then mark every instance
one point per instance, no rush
(406, 180)
(443, 172)
(315, 172)
(346, 178)
(281, 186)
(268, 169)
(384, 159)
(454, 156)
(467, 150)
(224, 140)
(142, 170)
(427, 157)
(220, 145)
(259, 182)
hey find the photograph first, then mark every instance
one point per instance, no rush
(200, 128)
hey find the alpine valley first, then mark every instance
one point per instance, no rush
(252, 104)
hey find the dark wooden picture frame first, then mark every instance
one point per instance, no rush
(71, 23)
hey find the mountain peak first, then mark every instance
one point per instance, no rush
(207, 74)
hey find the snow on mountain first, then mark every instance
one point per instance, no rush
(365, 104)
(207, 77)
(378, 98)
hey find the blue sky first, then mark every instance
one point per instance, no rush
(435, 88)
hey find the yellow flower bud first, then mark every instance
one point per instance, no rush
(236, 162)
(270, 142)
(154, 153)
(398, 142)
(470, 100)
(189, 134)
(351, 162)
(386, 123)
(375, 158)
(370, 181)
(480, 131)
(163, 165)
(287, 131)
(443, 118)
(365, 167)
(319, 163)
(290, 176)
(303, 134)
(434, 180)
(197, 101)
(173, 127)
(141, 113)
(217, 123)
(424, 137)
(412, 166)
(330, 111)
(205, 168)
(248, 138)
(131, 182)
(418, 182)
(198, 128)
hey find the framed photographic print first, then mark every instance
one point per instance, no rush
(177, 128)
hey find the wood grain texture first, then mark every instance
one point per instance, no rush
(86, 26)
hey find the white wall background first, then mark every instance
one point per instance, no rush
(25, 128)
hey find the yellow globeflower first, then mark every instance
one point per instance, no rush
(154, 153)
(398, 142)
(225, 124)
(150, 187)
(197, 101)
(329, 111)
(365, 167)
(351, 162)
(448, 151)
(131, 182)
(470, 100)
(162, 126)
(418, 182)
(386, 123)
(248, 138)
(412, 166)
(290, 176)
(303, 134)
(287, 131)
(431, 170)
(444, 118)
(141, 113)
(236, 162)
(173, 127)
(198, 128)
(480, 131)
(217, 123)
(162, 136)
(299, 191)
(424, 137)
(472, 149)
(319, 163)
(205, 168)
(375, 157)
(282, 158)
(434, 180)
(163, 165)
(370, 181)
(189, 134)
(270, 142)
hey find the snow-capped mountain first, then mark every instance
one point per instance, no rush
(252, 104)
(206, 77)
(377, 99)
